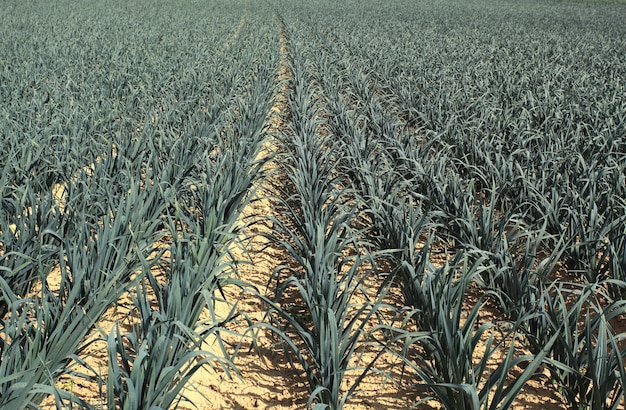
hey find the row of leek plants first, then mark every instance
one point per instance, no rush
(215, 167)
(315, 309)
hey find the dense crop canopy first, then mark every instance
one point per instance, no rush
(446, 185)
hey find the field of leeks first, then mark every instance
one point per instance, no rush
(448, 189)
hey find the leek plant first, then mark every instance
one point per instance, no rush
(586, 359)
(26, 251)
(150, 366)
(448, 340)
